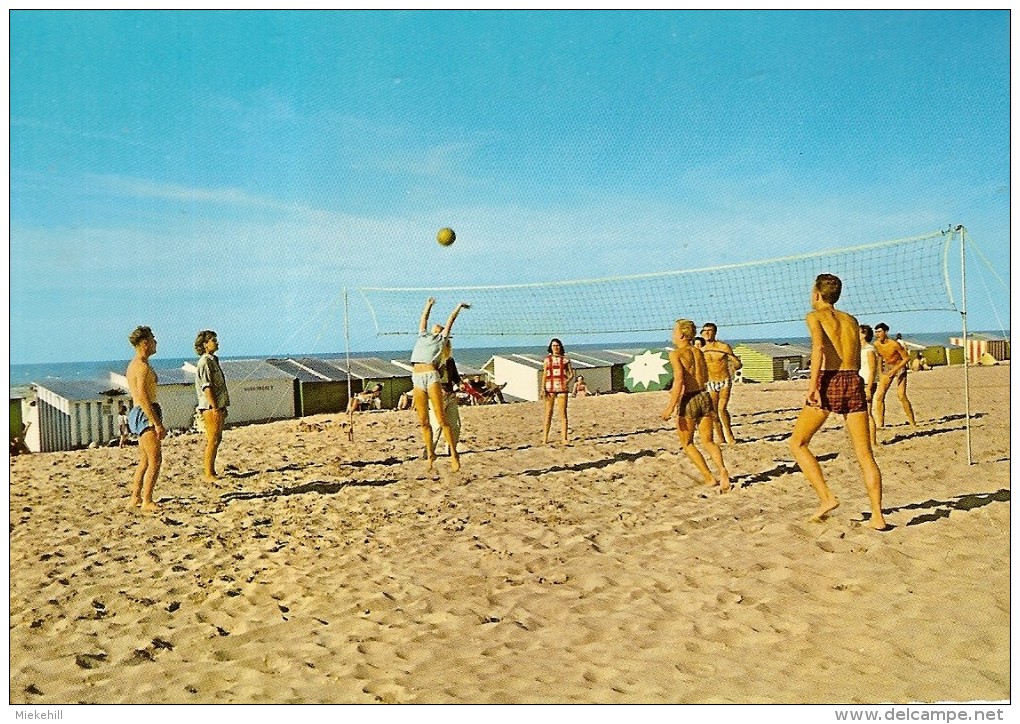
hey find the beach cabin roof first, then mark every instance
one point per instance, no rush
(772, 349)
(306, 370)
(463, 369)
(597, 359)
(78, 390)
(369, 368)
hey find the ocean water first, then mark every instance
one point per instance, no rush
(25, 374)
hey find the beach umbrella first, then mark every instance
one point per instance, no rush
(648, 371)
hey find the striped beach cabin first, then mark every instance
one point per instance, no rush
(979, 344)
(70, 414)
(769, 361)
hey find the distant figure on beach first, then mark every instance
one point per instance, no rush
(835, 386)
(122, 424)
(145, 419)
(918, 363)
(406, 400)
(425, 358)
(213, 398)
(449, 378)
(581, 387)
(895, 359)
(557, 371)
(722, 366)
(367, 399)
(869, 371)
(693, 404)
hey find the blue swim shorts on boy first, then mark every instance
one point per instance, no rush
(138, 422)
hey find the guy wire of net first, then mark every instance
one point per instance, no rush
(905, 275)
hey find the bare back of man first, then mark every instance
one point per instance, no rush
(835, 386)
(693, 404)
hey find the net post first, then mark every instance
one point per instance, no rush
(347, 350)
(966, 350)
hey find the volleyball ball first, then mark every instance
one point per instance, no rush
(445, 237)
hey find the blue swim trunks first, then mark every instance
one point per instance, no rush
(422, 380)
(138, 422)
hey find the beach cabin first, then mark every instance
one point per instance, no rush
(770, 361)
(366, 372)
(522, 373)
(259, 392)
(604, 371)
(319, 388)
(937, 355)
(18, 397)
(71, 414)
(979, 344)
(175, 393)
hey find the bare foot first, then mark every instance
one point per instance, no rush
(454, 464)
(878, 523)
(724, 483)
(825, 508)
(149, 507)
(210, 478)
(431, 460)
(135, 503)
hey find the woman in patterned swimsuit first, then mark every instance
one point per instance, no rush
(557, 371)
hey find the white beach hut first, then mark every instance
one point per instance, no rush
(522, 373)
(258, 390)
(175, 393)
(70, 414)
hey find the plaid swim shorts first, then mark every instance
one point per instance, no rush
(842, 392)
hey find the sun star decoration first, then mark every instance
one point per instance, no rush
(646, 368)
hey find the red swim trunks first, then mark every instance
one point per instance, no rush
(842, 392)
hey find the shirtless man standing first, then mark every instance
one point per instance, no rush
(835, 386)
(895, 359)
(145, 419)
(693, 404)
(722, 365)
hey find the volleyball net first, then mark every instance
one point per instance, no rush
(904, 275)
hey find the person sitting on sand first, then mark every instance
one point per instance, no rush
(581, 387)
(693, 404)
(835, 386)
(145, 419)
(428, 391)
(371, 398)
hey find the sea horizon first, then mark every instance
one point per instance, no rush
(23, 375)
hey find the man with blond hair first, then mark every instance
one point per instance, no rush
(693, 404)
(835, 386)
(145, 419)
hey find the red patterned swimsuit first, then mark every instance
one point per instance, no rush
(555, 372)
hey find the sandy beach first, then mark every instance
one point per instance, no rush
(319, 570)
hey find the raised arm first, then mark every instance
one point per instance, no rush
(423, 325)
(453, 316)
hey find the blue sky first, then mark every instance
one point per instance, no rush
(237, 170)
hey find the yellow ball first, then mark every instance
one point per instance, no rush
(446, 236)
